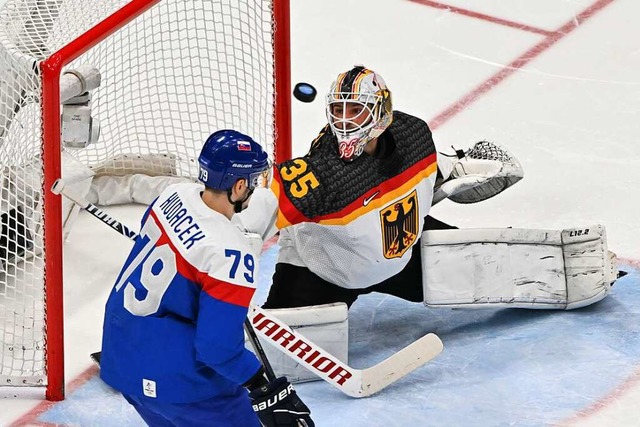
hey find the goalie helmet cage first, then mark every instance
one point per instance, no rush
(172, 72)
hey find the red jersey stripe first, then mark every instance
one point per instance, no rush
(288, 214)
(223, 291)
(228, 292)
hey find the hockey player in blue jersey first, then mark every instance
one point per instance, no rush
(173, 340)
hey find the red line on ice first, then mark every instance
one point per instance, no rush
(484, 87)
(483, 17)
(30, 417)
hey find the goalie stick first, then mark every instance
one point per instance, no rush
(59, 188)
(351, 381)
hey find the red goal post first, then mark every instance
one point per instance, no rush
(169, 72)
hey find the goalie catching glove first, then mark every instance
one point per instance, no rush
(477, 174)
(278, 405)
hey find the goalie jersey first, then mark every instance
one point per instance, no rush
(353, 224)
(173, 327)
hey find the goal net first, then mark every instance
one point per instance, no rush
(119, 88)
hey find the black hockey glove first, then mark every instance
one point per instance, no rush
(278, 405)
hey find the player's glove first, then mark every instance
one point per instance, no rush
(278, 405)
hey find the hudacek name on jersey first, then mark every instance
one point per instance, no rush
(187, 230)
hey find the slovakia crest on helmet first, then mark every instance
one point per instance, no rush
(244, 146)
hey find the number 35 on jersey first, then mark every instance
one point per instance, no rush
(300, 180)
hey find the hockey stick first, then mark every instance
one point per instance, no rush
(351, 381)
(60, 188)
(257, 347)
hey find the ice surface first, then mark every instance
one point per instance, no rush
(570, 115)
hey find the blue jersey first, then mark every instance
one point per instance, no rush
(173, 327)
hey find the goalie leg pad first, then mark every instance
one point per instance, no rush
(325, 325)
(135, 188)
(557, 269)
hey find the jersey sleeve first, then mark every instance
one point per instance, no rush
(227, 289)
(294, 179)
(259, 217)
(287, 214)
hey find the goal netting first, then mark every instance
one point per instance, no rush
(142, 83)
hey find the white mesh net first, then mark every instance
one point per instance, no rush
(175, 74)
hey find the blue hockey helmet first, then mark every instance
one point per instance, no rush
(228, 156)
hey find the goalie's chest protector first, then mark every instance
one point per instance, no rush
(354, 223)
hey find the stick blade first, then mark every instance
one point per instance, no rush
(95, 357)
(400, 364)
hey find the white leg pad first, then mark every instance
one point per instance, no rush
(135, 188)
(325, 325)
(557, 269)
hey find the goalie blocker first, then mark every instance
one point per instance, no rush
(539, 269)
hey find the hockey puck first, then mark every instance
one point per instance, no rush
(304, 92)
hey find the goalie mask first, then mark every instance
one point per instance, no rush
(358, 110)
(228, 156)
